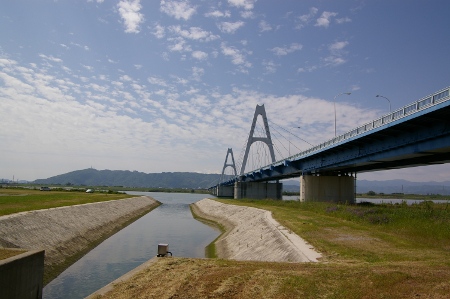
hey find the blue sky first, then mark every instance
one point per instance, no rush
(163, 86)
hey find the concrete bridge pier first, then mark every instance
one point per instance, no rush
(331, 188)
(258, 190)
(224, 191)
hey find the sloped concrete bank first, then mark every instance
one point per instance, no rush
(66, 233)
(253, 235)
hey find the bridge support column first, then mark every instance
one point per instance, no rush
(258, 190)
(225, 191)
(327, 188)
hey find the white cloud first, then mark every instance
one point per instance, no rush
(337, 52)
(157, 81)
(194, 33)
(178, 9)
(305, 19)
(264, 26)
(247, 14)
(125, 78)
(230, 27)
(270, 66)
(129, 12)
(197, 73)
(200, 55)
(50, 58)
(159, 31)
(80, 46)
(338, 46)
(179, 80)
(281, 51)
(88, 67)
(245, 4)
(178, 45)
(165, 56)
(334, 61)
(343, 20)
(324, 19)
(218, 14)
(307, 69)
(237, 57)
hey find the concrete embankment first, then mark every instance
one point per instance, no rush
(68, 232)
(252, 234)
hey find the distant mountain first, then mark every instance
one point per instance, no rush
(193, 180)
(125, 178)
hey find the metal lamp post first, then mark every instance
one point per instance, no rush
(334, 100)
(380, 96)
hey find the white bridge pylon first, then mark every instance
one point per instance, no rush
(225, 164)
(260, 110)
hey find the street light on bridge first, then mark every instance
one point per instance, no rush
(380, 96)
(334, 100)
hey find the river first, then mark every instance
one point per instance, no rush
(170, 223)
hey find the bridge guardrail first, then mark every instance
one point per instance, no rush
(429, 101)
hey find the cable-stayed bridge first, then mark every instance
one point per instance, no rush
(414, 135)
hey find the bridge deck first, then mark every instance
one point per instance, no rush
(415, 135)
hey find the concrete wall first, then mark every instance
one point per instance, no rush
(258, 190)
(21, 276)
(66, 231)
(327, 188)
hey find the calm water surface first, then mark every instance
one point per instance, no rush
(396, 200)
(170, 223)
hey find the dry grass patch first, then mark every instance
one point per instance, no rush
(7, 253)
(213, 278)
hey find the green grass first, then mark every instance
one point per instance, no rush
(367, 233)
(16, 200)
(369, 251)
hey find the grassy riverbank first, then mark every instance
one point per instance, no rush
(14, 200)
(383, 251)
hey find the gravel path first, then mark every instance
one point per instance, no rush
(252, 234)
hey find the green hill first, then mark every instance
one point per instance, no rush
(125, 178)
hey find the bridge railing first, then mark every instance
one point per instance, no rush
(438, 97)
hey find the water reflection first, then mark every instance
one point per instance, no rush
(171, 223)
